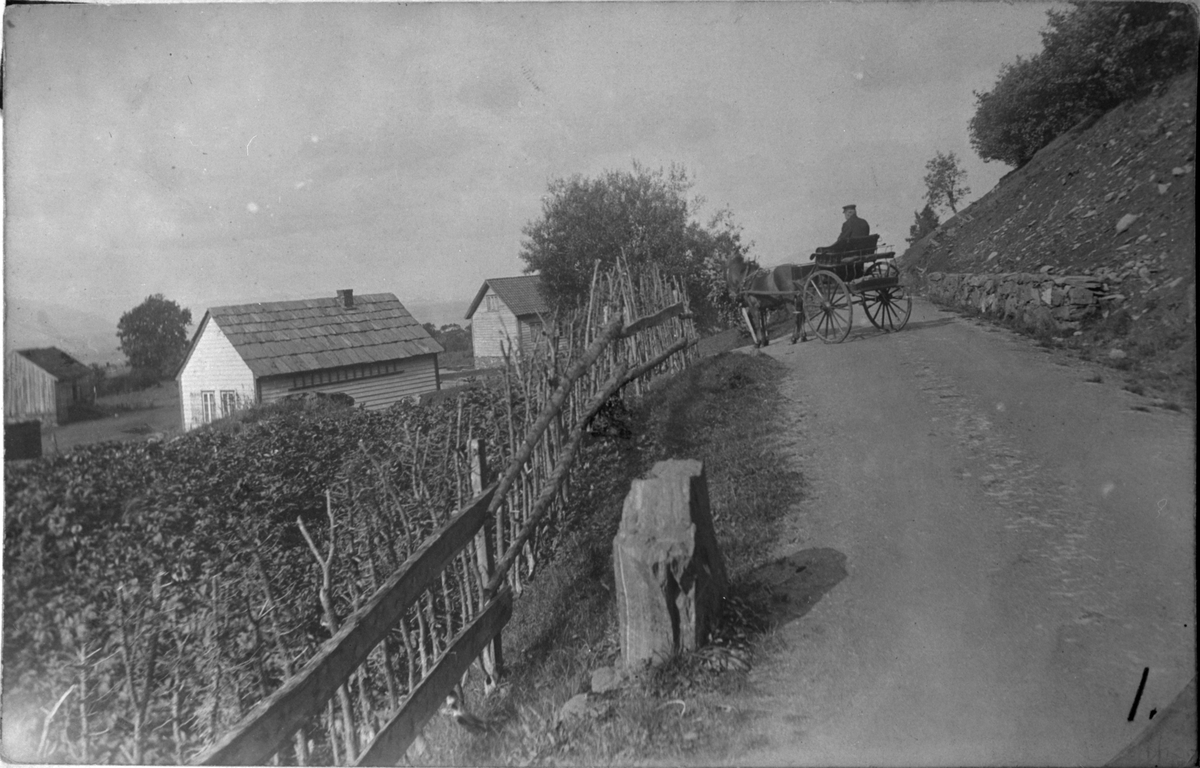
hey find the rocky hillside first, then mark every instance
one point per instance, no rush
(1115, 199)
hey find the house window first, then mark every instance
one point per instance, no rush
(208, 406)
(228, 402)
(493, 302)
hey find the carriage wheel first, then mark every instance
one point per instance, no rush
(882, 268)
(888, 309)
(827, 308)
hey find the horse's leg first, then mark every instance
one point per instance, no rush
(762, 323)
(798, 309)
(747, 315)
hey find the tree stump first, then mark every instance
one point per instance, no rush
(670, 577)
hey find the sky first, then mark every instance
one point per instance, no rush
(224, 154)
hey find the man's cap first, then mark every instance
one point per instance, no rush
(849, 208)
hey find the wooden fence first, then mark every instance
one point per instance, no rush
(634, 325)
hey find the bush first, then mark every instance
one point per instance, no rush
(1094, 56)
(123, 383)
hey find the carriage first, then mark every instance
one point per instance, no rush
(853, 272)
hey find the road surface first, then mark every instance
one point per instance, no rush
(993, 548)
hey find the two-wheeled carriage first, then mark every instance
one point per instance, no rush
(825, 290)
(856, 273)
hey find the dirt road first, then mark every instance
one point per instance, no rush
(994, 548)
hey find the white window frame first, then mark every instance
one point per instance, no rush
(492, 302)
(229, 402)
(208, 406)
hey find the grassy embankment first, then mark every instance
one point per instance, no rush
(565, 624)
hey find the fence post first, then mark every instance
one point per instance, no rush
(492, 659)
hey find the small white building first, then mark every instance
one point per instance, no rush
(367, 347)
(507, 310)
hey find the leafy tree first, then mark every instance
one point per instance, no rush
(154, 334)
(1094, 56)
(944, 182)
(452, 337)
(926, 222)
(643, 216)
(455, 338)
(713, 246)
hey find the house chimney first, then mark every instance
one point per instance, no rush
(347, 297)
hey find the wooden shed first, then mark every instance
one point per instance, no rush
(43, 384)
(507, 310)
(367, 347)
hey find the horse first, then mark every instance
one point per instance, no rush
(751, 291)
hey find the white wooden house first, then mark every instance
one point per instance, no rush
(42, 385)
(368, 347)
(507, 310)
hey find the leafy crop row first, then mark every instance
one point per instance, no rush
(155, 592)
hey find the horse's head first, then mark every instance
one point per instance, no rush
(735, 276)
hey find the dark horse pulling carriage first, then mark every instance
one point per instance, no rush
(823, 292)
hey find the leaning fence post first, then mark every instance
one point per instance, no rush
(492, 659)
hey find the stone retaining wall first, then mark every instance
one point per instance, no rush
(1043, 301)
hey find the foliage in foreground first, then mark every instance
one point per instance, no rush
(1094, 56)
(158, 590)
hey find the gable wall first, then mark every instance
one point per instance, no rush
(217, 367)
(491, 327)
(29, 392)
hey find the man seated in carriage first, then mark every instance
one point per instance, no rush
(853, 227)
(855, 236)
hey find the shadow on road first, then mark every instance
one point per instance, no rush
(798, 582)
(919, 325)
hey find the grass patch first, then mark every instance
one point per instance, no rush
(1135, 388)
(564, 625)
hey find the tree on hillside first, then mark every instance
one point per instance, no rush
(944, 182)
(643, 216)
(453, 337)
(1094, 56)
(154, 334)
(926, 222)
(712, 247)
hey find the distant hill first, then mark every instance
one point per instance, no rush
(1114, 197)
(439, 312)
(92, 338)
(88, 337)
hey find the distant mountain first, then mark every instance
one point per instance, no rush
(439, 312)
(88, 337)
(92, 338)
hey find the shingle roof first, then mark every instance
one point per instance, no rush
(521, 294)
(294, 336)
(57, 363)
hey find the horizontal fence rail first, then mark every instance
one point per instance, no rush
(268, 726)
(393, 741)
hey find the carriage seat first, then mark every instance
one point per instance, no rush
(855, 246)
